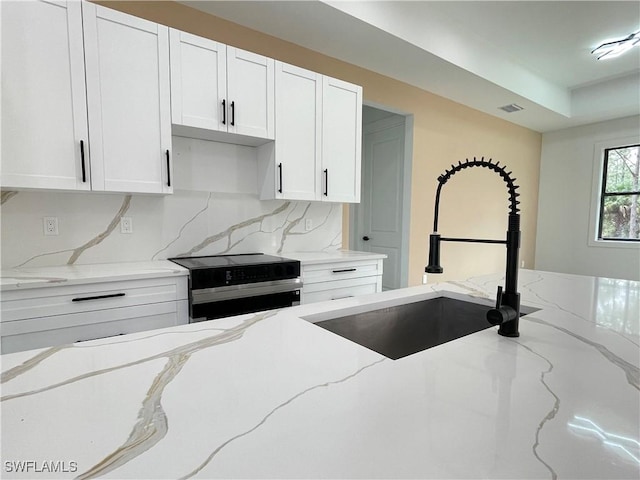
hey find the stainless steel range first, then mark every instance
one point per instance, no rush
(225, 285)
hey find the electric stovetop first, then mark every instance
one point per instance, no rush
(215, 261)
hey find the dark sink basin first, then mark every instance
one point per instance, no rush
(402, 330)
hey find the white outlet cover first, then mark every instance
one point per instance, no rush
(308, 224)
(126, 225)
(50, 225)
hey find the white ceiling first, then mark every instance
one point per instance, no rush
(483, 54)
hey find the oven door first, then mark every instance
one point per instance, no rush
(211, 303)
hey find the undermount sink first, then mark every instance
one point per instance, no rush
(401, 330)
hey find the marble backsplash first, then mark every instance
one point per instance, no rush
(214, 209)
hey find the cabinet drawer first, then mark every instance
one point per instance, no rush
(328, 272)
(65, 329)
(336, 290)
(70, 299)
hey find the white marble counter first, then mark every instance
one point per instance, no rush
(273, 396)
(309, 258)
(35, 277)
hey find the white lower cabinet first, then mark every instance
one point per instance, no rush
(336, 280)
(50, 316)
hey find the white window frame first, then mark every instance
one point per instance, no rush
(596, 190)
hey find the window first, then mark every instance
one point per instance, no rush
(619, 217)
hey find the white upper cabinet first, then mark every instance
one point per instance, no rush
(341, 140)
(219, 88)
(250, 90)
(317, 150)
(198, 81)
(299, 127)
(113, 136)
(127, 66)
(44, 109)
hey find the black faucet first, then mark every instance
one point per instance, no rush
(507, 310)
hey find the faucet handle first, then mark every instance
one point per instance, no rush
(502, 313)
(499, 297)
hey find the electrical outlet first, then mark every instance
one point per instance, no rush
(126, 225)
(522, 264)
(308, 224)
(50, 225)
(424, 278)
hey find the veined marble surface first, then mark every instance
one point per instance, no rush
(271, 395)
(215, 209)
(309, 258)
(35, 277)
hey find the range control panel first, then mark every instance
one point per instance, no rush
(239, 275)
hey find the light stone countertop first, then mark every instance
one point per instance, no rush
(271, 395)
(35, 277)
(310, 258)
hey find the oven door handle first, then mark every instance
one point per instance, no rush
(211, 295)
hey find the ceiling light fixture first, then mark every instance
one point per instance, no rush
(616, 48)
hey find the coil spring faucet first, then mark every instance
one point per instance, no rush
(507, 310)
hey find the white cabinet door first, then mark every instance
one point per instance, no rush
(127, 72)
(318, 143)
(44, 115)
(298, 123)
(198, 81)
(219, 88)
(250, 99)
(341, 140)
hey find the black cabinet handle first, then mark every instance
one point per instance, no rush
(326, 182)
(365, 238)
(168, 170)
(98, 297)
(280, 178)
(224, 112)
(344, 270)
(84, 168)
(233, 113)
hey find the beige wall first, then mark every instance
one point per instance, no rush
(474, 202)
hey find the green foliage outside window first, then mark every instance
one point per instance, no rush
(620, 199)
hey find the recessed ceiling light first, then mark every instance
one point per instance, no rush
(512, 107)
(616, 48)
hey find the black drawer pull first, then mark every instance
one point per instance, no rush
(280, 177)
(340, 298)
(98, 297)
(344, 270)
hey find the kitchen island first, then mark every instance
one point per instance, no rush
(271, 395)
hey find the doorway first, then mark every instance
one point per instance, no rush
(380, 222)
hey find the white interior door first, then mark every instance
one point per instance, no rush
(381, 211)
